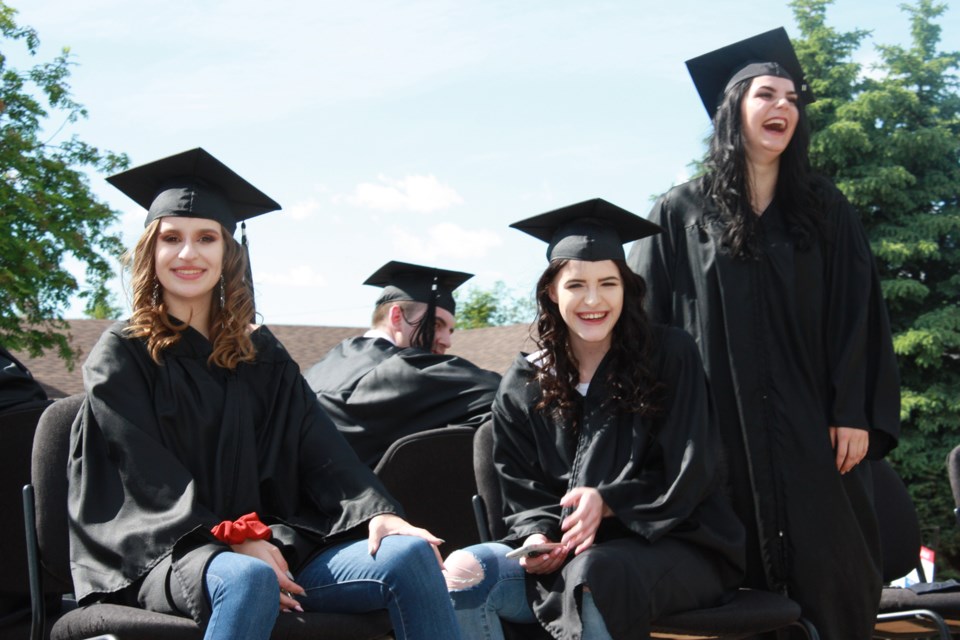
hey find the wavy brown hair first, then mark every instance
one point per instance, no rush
(726, 182)
(229, 324)
(629, 379)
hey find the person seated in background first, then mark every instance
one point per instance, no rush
(396, 380)
(18, 389)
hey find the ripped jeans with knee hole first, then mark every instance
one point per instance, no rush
(486, 586)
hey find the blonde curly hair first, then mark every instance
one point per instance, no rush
(229, 323)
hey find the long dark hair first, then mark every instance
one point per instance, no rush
(630, 383)
(726, 181)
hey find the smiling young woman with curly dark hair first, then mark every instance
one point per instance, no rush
(605, 452)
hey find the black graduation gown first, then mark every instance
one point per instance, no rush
(659, 476)
(792, 343)
(376, 392)
(161, 454)
(18, 389)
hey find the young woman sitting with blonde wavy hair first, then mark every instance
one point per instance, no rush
(205, 480)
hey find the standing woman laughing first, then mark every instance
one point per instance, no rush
(769, 269)
(605, 451)
(205, 480)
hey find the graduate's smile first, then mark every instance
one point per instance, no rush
(593, 317)
(188, 273)
(778, 125)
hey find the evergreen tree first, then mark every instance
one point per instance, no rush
(890, 139)
(47, 210)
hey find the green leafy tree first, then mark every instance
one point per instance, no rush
(493, 307)
(891, 141)
(47, 210)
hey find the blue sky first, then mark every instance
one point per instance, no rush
(412, 130)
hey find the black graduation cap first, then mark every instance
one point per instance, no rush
(404, 281)
(766, 54)
(592, 230)
(193, 184)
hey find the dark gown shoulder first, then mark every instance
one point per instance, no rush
(682, 205)
(268, 346)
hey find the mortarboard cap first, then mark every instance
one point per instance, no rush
(593, 230)
(765, 54)
(193, 184)
(404, 281)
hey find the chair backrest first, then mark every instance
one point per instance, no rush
(16, 442)
(431, 474)
(488, 482)
(51, 446)
(897, 518)
(953, 472)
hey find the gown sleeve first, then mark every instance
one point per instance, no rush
(130, 501)
(653, 258)
(664, 488)
(343, 490)
(530, 496)
(863, 374)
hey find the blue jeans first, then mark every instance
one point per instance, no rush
(501, 594)
(403, 578)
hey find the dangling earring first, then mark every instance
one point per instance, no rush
(156, 293)
(223, 298)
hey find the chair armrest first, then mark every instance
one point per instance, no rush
(37, 605)
(480, 514)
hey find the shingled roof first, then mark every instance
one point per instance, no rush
(492, 348)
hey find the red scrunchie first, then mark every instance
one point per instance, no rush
(248, 527)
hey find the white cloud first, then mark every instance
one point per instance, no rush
(423, 194)
(444, 241)
(303, 210)
(300, 277)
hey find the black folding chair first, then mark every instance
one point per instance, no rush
(748, 613)
(45, 514)
(953, 473)
(905, 613)
(431, 474)
(16, 441)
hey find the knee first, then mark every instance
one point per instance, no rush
(409, 552)
(262, 577)
(463, 571)
(251, 575)
(244, 594)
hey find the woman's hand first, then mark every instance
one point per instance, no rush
(270, 554)
(388, 524)
(545, 562)
(851, 446)
(580, 527)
